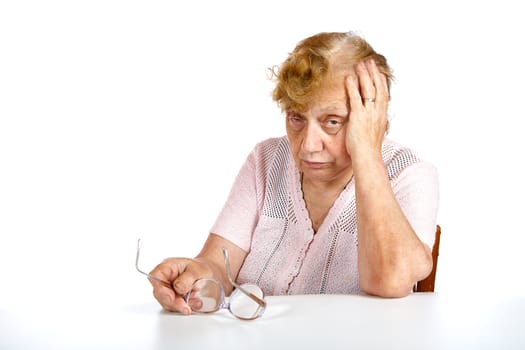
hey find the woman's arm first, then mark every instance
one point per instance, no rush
(391, 257)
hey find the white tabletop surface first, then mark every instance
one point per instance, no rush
(419, 321)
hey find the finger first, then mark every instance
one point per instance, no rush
(174, 271)
(366, 84)
(186, 280)
(195, 301)
(170, 301)
(165, 271)
(380, 82)
(168, 271)
(354, 97)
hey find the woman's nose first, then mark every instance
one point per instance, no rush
(312, 141)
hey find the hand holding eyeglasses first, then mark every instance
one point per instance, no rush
(172, 280)
(204, 294)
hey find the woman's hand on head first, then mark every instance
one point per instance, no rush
(368, 99)
(181, 274)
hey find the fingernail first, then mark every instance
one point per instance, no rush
(186, 311)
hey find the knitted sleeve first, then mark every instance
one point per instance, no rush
(417, 191)
(240, 213)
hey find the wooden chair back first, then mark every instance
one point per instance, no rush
(427, 285)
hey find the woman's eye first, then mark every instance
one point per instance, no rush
(295, 121)
(332, 126)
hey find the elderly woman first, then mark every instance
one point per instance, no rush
(333, 207)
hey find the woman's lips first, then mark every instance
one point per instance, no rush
(314, 165)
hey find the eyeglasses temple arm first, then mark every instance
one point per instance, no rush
(255, 298)
(151, 277)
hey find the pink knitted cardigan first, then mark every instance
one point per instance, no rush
(266, 216)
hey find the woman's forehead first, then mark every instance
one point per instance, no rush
(336, 103)
(331, 95)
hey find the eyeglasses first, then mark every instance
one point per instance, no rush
(207, 294)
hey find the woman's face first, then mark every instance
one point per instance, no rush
(317, 136)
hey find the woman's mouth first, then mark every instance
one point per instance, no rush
(314, 165)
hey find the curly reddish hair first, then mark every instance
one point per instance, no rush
(317, 58)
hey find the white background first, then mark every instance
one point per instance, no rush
(128, 119)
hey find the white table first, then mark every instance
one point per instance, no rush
(419, 321)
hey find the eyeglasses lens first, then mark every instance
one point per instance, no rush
(206, 295)
(242, 306)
